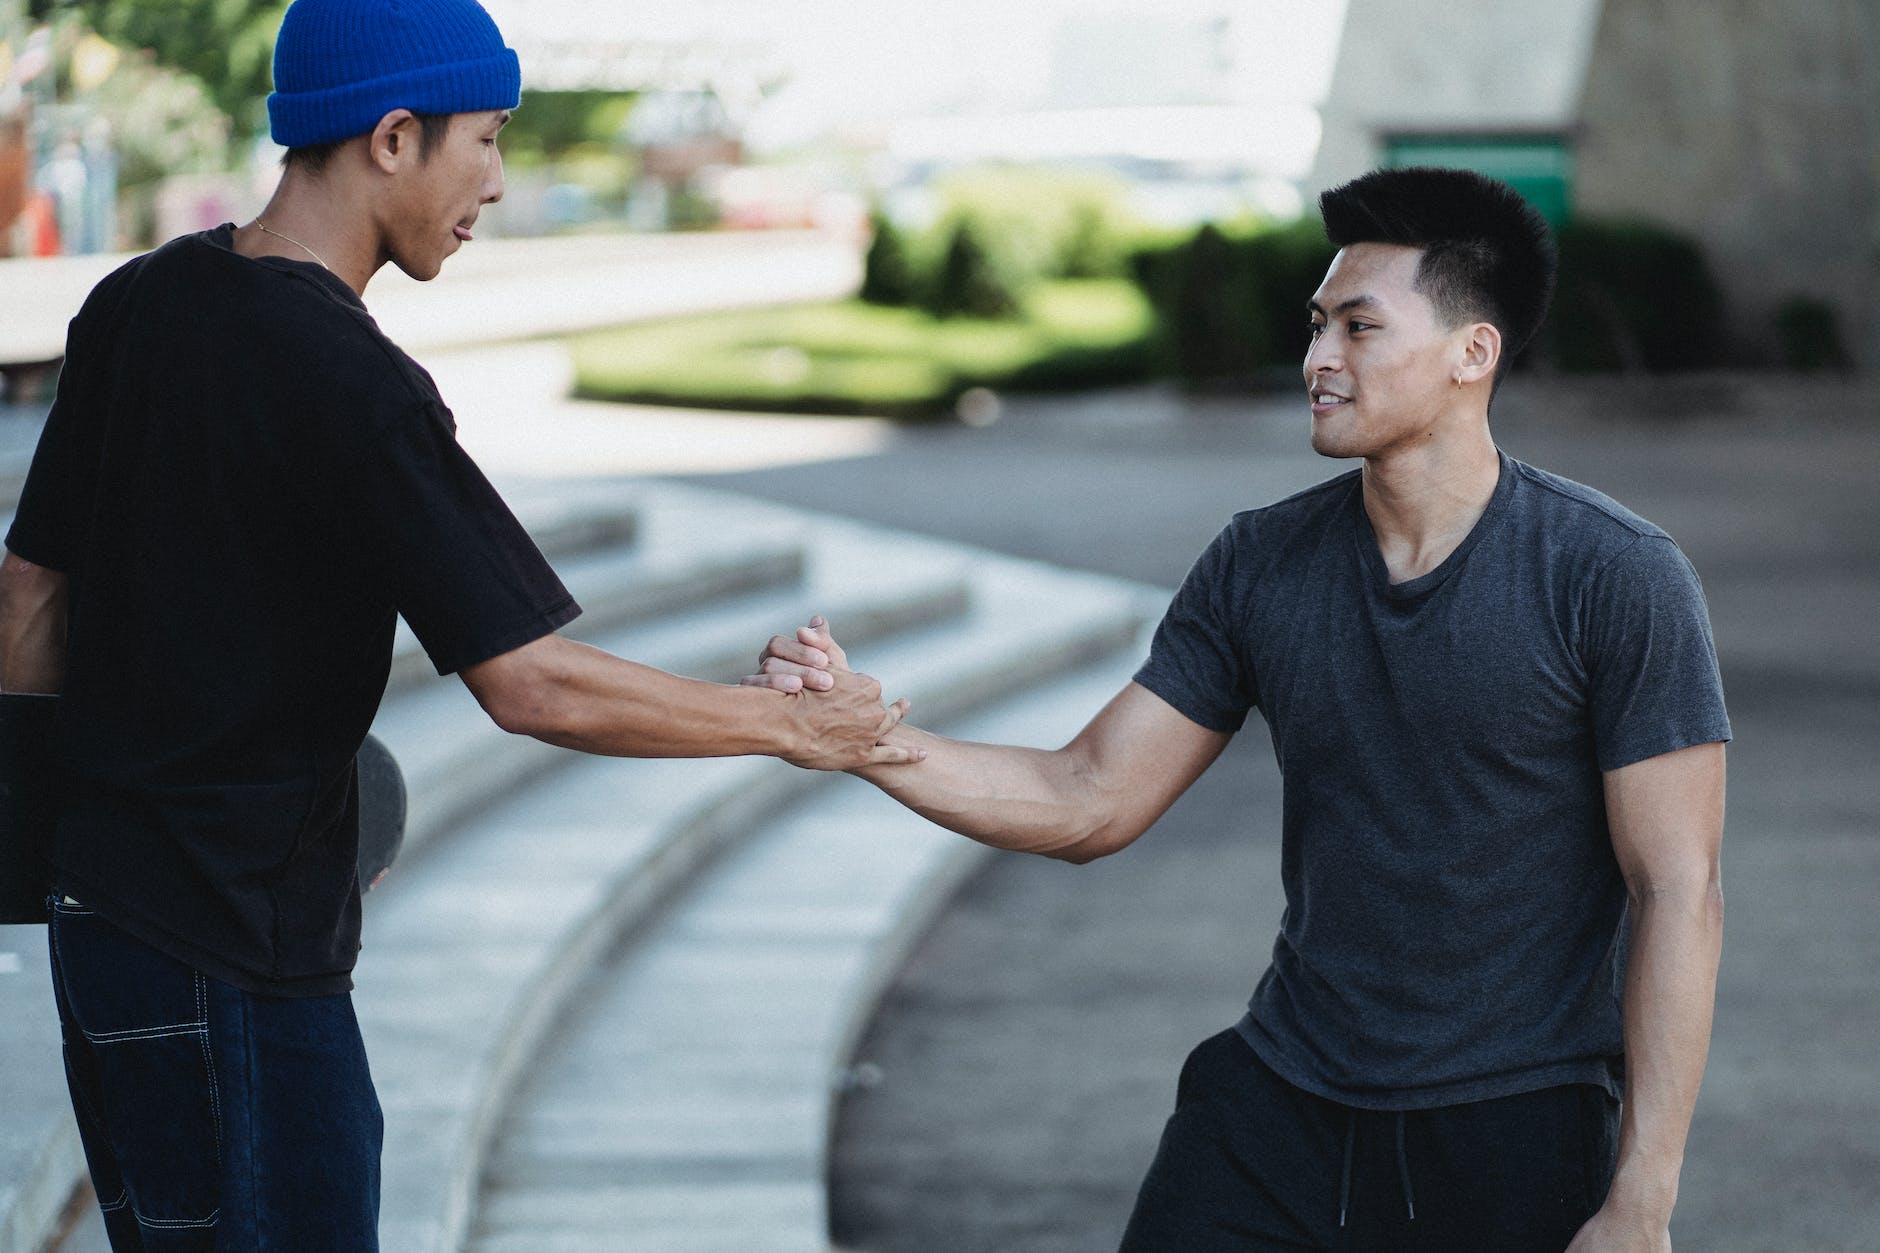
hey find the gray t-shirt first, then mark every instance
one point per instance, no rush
(1455, 918)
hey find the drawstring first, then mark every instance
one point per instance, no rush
(1344, 1179)
(1403, 1171)
(1403, 1168)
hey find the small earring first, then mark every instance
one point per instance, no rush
(1458, 382)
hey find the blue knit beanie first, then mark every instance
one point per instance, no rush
(341, 65)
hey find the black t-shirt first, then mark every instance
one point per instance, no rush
(1454, 926)
(246, 482)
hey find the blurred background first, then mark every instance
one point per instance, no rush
(1718, 155)
(1016, 289)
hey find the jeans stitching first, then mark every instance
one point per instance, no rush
(215, 1216)
(208, 1063)
(90, 1111)
(123, 1199)
(146, 1033)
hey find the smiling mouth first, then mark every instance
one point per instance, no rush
(1325, 402)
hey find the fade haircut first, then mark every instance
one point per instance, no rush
(1488, 256)
(432, 128)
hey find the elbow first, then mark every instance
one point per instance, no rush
(1696, 894)
(1090, 844)
(523, 696)
(519, 714)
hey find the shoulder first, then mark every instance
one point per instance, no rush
(1304, 514)
(1562, 504)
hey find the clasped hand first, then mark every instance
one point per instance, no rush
(813, 667)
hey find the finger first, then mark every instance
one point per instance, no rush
(775, 682)
(787, 649)
(895, 755)
(892, 717)
(814, 679)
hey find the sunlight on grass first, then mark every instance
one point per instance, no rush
(854, 358)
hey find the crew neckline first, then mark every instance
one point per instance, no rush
(223, 238)
(1423, 584)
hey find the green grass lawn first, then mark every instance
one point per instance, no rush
(853, 358)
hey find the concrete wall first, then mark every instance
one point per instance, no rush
(1756, 128)
(1408, 65)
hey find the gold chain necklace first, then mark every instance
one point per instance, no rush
(295, 242)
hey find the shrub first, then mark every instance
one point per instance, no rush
(968, 282)
(1231, 301)
(887, 270)
(1045, 223)
(1633, 296)
(1808, 335)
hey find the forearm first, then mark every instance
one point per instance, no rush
(1025, 800)
(594, 702)
(33, 603)
(1670, 994)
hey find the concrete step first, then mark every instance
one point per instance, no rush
(40, 1158)
(685, 1106)
(471, 960)
(664, 565)
(456, 761)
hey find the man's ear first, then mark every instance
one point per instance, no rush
(1481, 353)
(395, 140)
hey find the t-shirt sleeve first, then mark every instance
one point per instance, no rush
(1654, 686)
(1197, 662)
(459, 566)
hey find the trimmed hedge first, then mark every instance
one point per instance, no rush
(1633, 296)
(1231, 301)
(856, 358)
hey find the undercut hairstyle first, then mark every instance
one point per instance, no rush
(1488, 255)
(432, 127)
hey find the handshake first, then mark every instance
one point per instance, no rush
(840, 713)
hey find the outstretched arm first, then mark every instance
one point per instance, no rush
(1666, 815)
(575, 696)
(1077, 803)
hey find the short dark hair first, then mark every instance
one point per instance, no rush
(1488, 255)
(432, 127)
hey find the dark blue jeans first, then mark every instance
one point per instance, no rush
(213, 1120)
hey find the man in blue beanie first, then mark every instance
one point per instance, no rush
(240, 487)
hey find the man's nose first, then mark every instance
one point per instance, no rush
(493, 188)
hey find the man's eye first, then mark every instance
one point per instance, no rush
(1318, 328)
(1355, 327)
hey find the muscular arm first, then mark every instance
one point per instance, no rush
(33, 603)
(1077, 803)
(578, 697)
(1666, 815)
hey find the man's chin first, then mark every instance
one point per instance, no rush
(1326, 444)
(420, 271)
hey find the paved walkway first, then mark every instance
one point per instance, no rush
(503, 289)
(1028, 1054)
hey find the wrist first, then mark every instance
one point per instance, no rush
(1645, 1191)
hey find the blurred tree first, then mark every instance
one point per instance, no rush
(969, 283)
(887, 271)
(228, 44)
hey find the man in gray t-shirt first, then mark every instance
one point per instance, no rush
(1495, 706)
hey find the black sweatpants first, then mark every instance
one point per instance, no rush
(1249, 1162)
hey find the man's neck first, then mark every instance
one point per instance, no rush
(312, 219)
(1422, 502)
